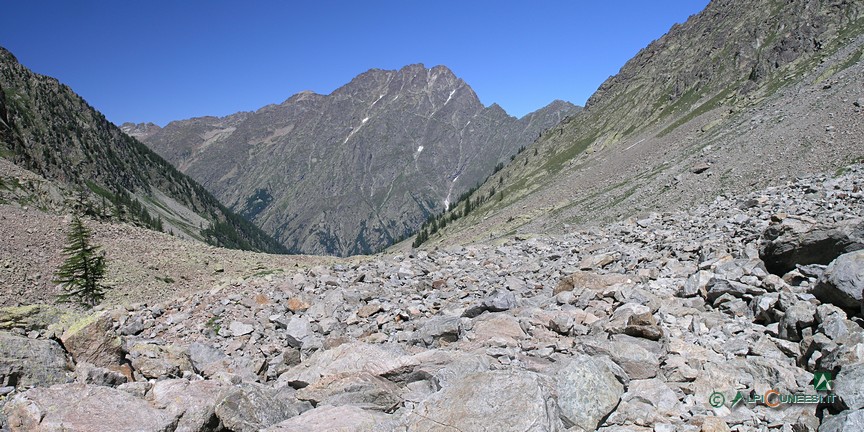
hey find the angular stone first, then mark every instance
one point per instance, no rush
(587, 392)
(797, 317)
(439, 329)
(88, 374)
(846, 421)
(849, 386)
(84, 408)
(718, 287)
(696, 284)
(298, 331)
(93, 340)
(353, 357)
(790, 244)
(34, 317)
(159, 361)
(201, 355)
(31, 362)
(193, 402)
(582, 280)
(625, 351)
(498, 327)
(843, 281)
(500, 300)
(238, 328)
(368, 310)
(346, 418)
(493, 401)
(362, 390)
(252, 407)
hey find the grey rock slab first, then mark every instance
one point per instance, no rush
(362, 389)
(846, 421)
(696, 283)
(843, 281)
(717, 287)
(439, 329)
(298, 331)
(345, 418)
(252, 407)
(202, 355)
(84, 408)
(587, 392)
(797, 317)
(239, 328)
(500, 300)
(28, 362)
(637, 361)
(350, 357)
(193, 402)
(789, 244)
(494, 400)
(159, 361)
(849, 386)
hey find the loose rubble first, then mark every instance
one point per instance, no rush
(639, 325)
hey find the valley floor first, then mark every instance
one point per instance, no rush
(651, 324)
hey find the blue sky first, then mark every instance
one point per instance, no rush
(165, 60)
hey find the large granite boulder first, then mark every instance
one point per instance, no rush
(494, 400)
(84, 408)
(28, 362)
(843, 281)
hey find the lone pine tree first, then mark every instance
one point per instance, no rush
(82, 273)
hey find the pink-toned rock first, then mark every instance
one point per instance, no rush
(84, 408)
(194, 402)
(93, 340)
(344, 418)
(588, 280)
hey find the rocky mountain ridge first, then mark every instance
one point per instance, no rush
(652, 317)
(48, 130)
(742, 95)
(356, 170)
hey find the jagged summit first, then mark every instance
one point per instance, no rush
(384, 151)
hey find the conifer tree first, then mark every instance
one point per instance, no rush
(82, 273)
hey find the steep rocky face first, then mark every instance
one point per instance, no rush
(49, 131)
(355, 170)
(742, 95)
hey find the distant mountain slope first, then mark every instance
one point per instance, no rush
(48, 129)
(744, 94)
(356, 170)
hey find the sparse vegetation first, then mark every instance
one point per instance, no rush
(82, 273)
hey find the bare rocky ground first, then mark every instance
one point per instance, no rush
(639, 325)
(142, 265)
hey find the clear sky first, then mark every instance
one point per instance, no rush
(163, 60)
